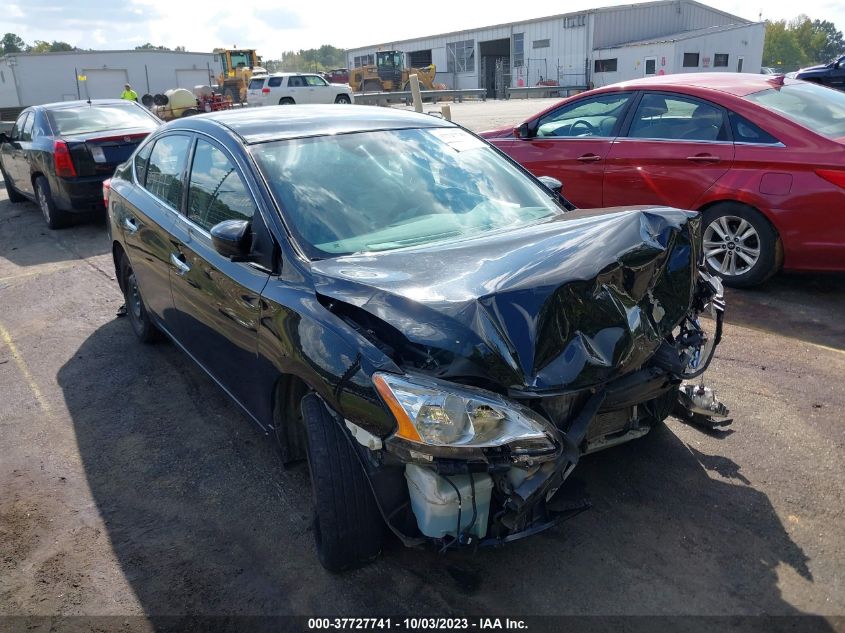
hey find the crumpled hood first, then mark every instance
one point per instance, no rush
(563, 304)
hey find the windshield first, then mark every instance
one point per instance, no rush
(820, 109)
(86, 118)
(377, 191)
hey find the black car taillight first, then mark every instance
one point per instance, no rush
(63, 161)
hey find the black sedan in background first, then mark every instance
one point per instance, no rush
(404, 307)
(59, 154)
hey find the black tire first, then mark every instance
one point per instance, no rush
(14, 195)
(347, 526)
(722, 227)
(344, 99)
(136, 310)
(54, 217)
(372, 85)
(286, 101)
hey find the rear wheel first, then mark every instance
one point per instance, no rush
(343, 99)
(740, 245)
(14, 195)
(135, 308)
(54, 217)
(286, 101)
(347, 526)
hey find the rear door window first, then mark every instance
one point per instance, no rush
(140, 161)
(17, 128)
(26, 131)
(296, 82)
(166, 169)
(745, 131)
(597, 116)
(672, 117)
(216, 190)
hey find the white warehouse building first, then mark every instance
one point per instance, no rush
(595, 47)
(35, 78)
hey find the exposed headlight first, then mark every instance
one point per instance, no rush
(439, 413)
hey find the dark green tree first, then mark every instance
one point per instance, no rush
(11, 43)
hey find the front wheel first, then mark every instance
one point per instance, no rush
(347, 526)
(740, 245)
(343, 99)
(136, 310)
(53, 216)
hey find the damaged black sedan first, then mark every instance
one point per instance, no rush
(399, 304)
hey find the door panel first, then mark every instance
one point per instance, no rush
(218, 302)
(675, 149)
(13, 157)
(149, 216)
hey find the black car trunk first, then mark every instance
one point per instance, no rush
(98, 153)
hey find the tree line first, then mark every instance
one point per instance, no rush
(801, 42)
(12, 43)
(326, 57)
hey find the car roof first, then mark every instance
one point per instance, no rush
(274, 123)
(738, 84)
(59, 105)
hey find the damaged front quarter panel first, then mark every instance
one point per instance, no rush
(588, 320)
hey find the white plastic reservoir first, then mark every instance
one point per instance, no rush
(435, 503)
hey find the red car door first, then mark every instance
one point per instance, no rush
(570, 143)
(675, 148)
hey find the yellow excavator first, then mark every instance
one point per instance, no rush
(389, 73)
(239, 66)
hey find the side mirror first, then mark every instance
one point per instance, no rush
(4, 138)
(522, 131)
(555, 185)
(232, 239)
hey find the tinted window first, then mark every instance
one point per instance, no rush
(26, 131)
(296, 82)
(216, 191)
(41, 127)
(314, 80)
(140, 161)
(166, 167)
(670, 117)
(720, 59)
(396, 188)
(650, 66)
(818, 108)
(18, 126)
(746, 132)
(690, 60)
(99, 118)
(257, 84)
(605, 65)
(275, 82)
(587, 117)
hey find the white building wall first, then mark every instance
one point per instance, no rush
(8, 92)
(745, 42)
(53, 76)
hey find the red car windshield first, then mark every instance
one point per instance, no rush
(820, 109)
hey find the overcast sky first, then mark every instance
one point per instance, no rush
(273, 26)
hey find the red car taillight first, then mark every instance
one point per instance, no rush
(836, 176)
(266, 91)
(106, 190)
(62, 160)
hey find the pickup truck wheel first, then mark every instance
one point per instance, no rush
(54, 217)
(286, 101)
(14, 194)
(343, 99)
(135, 308)
(740, 245)
(347, 526)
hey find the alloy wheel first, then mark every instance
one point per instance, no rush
(44, 204)
(731, 245)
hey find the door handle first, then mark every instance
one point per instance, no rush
(704, 158)
(179, 264)
(589, 158)
(130, 224)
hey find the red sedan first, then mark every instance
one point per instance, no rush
(761, 157)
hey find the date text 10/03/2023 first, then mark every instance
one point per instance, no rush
(417, 624)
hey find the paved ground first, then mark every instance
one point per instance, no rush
(130, 485)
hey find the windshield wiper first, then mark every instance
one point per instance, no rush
(410, 241)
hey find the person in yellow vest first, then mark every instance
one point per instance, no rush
(128, 93)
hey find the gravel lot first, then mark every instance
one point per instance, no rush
(129, 485)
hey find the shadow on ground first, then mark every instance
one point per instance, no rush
(808, 307)
(203, 520)
(22, 233)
